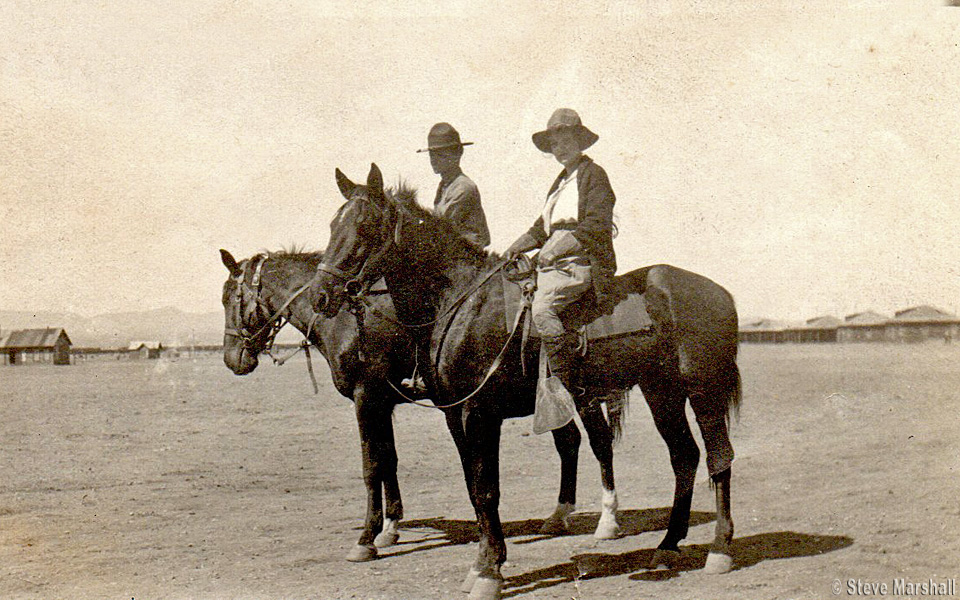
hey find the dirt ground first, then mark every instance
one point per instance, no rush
(160, 479)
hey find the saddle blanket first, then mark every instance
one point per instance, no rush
(629, 316)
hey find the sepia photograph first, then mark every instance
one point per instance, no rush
(406, 300)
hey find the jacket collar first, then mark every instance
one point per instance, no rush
(584, 161)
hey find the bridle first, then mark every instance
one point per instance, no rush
(274, 323)
(354, 286)
(242, 312)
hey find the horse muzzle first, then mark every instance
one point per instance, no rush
(239, 359)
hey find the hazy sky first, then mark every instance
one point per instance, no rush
(804, 155)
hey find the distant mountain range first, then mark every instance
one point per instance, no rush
(170, 326)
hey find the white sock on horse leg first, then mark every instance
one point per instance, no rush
(608, 528)
(389, 535)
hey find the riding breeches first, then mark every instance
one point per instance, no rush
(559, 285)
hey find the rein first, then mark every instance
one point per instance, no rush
(494, 366)
(452, 307)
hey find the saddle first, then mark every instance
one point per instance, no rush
(621, 311)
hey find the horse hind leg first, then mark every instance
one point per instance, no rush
(567, 441)
(667, 405)
(601, 442)
(712, 420)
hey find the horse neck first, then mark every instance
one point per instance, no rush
(423, 284)
(283, 281)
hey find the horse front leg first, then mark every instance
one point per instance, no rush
(455, 425)
(567, 441)
(388, 476)
(368, 418)
(482, 433)
(601, 441)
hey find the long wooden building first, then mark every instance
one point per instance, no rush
(915, 324)
(35, 345)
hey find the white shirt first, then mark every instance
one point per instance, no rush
(562, 204)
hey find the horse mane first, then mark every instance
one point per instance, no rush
(295, 253)
(441, 230)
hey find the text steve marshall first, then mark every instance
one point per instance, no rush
(902, 587)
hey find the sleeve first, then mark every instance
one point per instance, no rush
(597, 221)
(537, 232)
(464, 211)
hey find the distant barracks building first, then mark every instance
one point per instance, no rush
(35, 346)
(917, 324)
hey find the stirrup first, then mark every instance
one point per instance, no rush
(415, 384)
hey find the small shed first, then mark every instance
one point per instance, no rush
(145, 349)
(35, 345)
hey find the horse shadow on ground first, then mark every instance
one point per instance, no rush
(454, 532)
(747, 552)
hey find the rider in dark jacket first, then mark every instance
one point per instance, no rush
(575, 234)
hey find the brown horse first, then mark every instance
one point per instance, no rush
(443, 283)
(361, 367)
(260, 287)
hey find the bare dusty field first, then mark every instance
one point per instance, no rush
(161, 479)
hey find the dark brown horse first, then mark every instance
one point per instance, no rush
(437, 279)
(262, 286)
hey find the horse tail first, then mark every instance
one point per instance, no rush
(617, 402)
(734, 395)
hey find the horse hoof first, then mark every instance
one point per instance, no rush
(486, 588)
(718, 563)
(664, 560)
(607, 531)
(553, 526)
(385, 539)
(362, 553)
(468, 581)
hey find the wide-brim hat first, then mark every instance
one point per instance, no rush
(443, 136)
(564, 118)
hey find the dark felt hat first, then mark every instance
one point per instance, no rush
(564, 118)
(442, 136)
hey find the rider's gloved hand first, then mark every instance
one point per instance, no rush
(524, 243)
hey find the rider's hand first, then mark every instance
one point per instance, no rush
(562, 244)
(524, 243)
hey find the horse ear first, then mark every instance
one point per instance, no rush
(346, 186)
(375, 183)
(229, 262)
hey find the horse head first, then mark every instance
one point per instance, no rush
(247, 330)
(361, 236)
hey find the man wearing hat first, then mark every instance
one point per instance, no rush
(458, 199)
(575, 234)
(458, 202)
